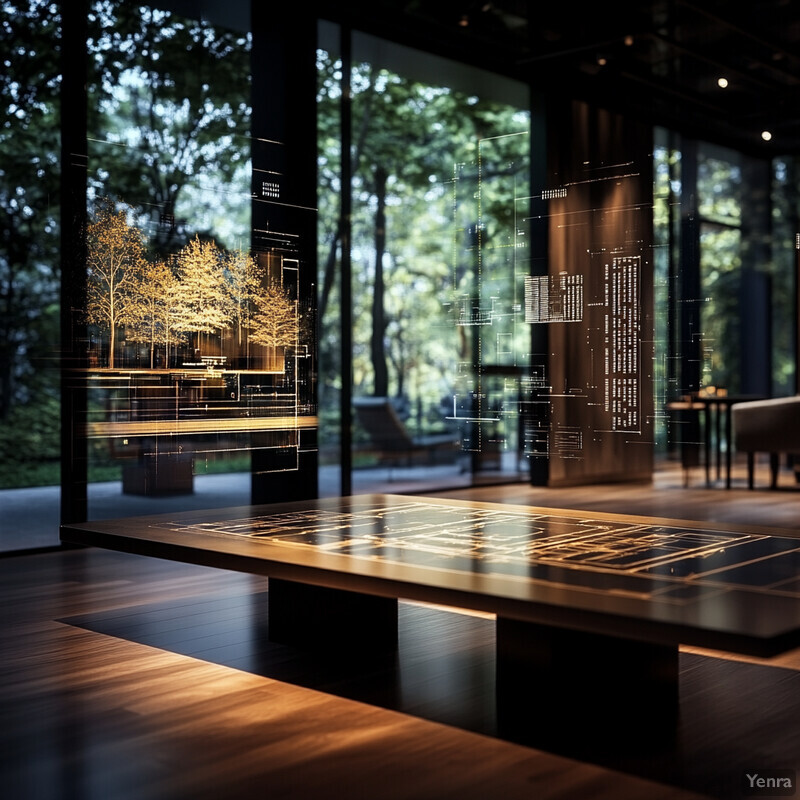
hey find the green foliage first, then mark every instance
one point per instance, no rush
(29, 186)
(412, 143)
(731, 241)
(719, 185)
(222, 463)
(784, 273)
(720, 265)
(29, 444)
(720, 201)
(170, 121)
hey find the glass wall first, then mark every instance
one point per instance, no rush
(785, 273)
(197, 340)
(29, 275)
(719, 187)
(666, 218)
(744, 214)
(177, 354)
(440, 184)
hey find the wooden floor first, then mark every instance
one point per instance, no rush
(673, 492)
(88, 714)
(128, 677)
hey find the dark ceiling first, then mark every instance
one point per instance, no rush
(660, 60)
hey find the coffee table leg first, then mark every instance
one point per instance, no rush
(315, 617)
(581, 691)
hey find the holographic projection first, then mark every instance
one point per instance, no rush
(190, 354)
(591, 405)
(640, 560)
(550, 302)
(197, 329)
(489, 196)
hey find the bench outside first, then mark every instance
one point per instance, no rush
(390, 441)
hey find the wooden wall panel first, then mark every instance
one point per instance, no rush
(600, 230)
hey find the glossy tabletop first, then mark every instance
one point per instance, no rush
(650, 579)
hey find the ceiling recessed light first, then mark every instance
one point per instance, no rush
(602, 60)
(722, 83)
(766, 135)
(464, 21)
(628, 40)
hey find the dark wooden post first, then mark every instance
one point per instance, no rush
(73, 260)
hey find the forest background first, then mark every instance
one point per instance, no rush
(169, 139)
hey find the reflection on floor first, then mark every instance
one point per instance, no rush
(733, 715)
(123, 714)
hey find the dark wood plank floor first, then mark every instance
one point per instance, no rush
(731, 712)
(127, 677)
(114, 685)
(667, 496)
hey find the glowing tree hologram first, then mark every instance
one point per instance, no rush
(115, 257)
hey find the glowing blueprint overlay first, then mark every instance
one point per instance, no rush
(673, 563)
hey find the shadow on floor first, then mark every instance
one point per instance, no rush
(444, 671)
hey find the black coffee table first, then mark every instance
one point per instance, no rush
(591, 607)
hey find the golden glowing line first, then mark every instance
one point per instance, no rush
(616, 209)
(605, 178)
(285, 205)
(503, 136)
(190, 426)
(277, 233)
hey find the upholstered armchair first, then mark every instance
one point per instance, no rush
(767, 426)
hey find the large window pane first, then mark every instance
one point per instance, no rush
(666, 196)
(721, 280)
(440, 179)
(29, 282)
(785, 273)
(181, 357)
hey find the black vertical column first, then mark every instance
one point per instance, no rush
(537, 405)
(794, 204)
(73, 260)
(284, 135)
(690, 297)
(598, 378)
(346, 290)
